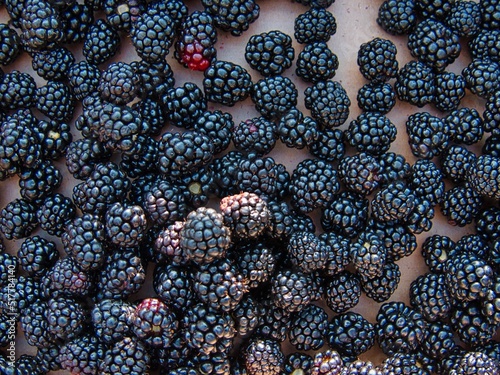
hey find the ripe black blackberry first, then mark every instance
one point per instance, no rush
(439, 342)
(125, 224)
(270, 53)
(247, 316)
(381, 288)
(461, 204)
(195, 46)
(198, 187)
(397, 238)
(274, 96)
(263, 356)
(338, 256)
(217, 125)
(455, 163)
(297, 361)
(38, 182)
(450, 89)
(307, 328)
(176, 9)
(55, 101)
(34, 325)
(484, 177)
(485, 45)
(122, 14)
(482, 77)
(154, 79)
(164, 202)
(427, 180)
(37, 255)
(118, 83)
(83, 79)
(371, 132)
(111, 318)
(464, 18)
(174, 285)
(17, 91)
(436, 9)
(376, 97)
(150, 111)
(259, 175)
(328, 145)
(184, 105)
(346, 214)
(234, 17)
(415, 84)
(101, 43)
(473, 243)
(66, 278)
(82, 354)
(295, 130)
(315, 25)
(491, 115)
(54, 213)
(470, 325)
(394, 167)
(395, 202)
(10, 44)
(127, 350)
(257, 136)
(399, 328)
(350, 334)
(476, 362)
(307, 252)
(377, 60)
(76, 20)
(53, 64)
(428, 135)
(18, 219)
(316, 63)
(342, 291)
(402, 363)
(490, 303)
(359, 367)
(302, 287)
(487, 223)
(328, 362)
(40, 25)
(397, 17)
(65, 317)
(140, 159)
(256, 262)
(226, 83)
(328, 102)
(466, 125)
(360, 173)
(430, 296)
(368, 254)
(83, 154)
(490, 11)
(491, 145)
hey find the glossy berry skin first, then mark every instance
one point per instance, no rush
(264, 356)
(226, 83)
(316, 62)
(307, 328)
(270, 53)
(350, 334)
(397, 17)
(377, 60)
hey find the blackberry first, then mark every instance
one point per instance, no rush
(82, 354)
(470, 325)
(337, 253)
(455, 163)
(263, 356)
(316, 62)
(111, 320)
(402, 363)
(397, 17)
(464, 18)
(490, 303)
(360, 173)
(154, 80)
(234, 17)
(342, 291)
(450, 89)
(328, 102)
(328, 145)
(484, 177)
(65, 317)
(485, 45)
(368, 254)
(394, 167)
(426, 179)
(66, 278)
(296, 131)
(482, 77)
(174, 285)
(428, 135)
(476, 362)
(101, 43)
(435, 9)
(473, 243)
(350, 334)
(83, 154)
(274, 96)
(176, 9)
(199, 187)
(415, 84)
(258, 175)
(53, 64)
(226, 83)
(27, 364)
(34, 325)
(76, 20)
(376, 97)
(40, 25)
(122, 14)
(394, 202)
(307, 252)
(122, 275)
(466, 125)
(140, 159)
(377, 60)
(371, 132)
(316, 24)
(8, 262)
(257, 136)
(195, 46)
(328, 362)
(225, 169)
(152, 35)
(460, 205)
(307, 328)
(125, 224)
(18, 219)
(381, 288)
(397, 238)
(54, 138)
(127, 354)
(292, 289)
(298, 362)
(83, 79)
(17, 91)
(436, 250)
(37, 255)
(9, 44)
(491, 115)
(274, 321)
(217, 125)
(184, 105)
(149, 110)
(247, 315)
(270, 53)
(420, 220)
(487, 223)
(430, 296)
(490, 12)
(491, 145)
(54, 213)
(256, 263)
(399, 328)
(40, 181)
(346, 214)
(360, 367)
(118, 83)
(439, 342)
(25, 293)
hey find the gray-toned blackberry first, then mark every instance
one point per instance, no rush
(17, 90)
(397, 17)
(338, 253)
(10, 47)
(428, 135)
(258, 175)
(274, 96)
(66, 278)
(395, 202)
(399, 328)
(122, 275)
(141, 158)
(226, 83)
(164, 202)
(450, 89)
(328, 362)
(470, 325)
(296, 130)
(83, 78)
(118, 83)
(263, 356)
(154, 79)
(257, 135)
(204, 237)
(122, 14)
(482, 77)
(106, 185)
(371, 132)
(461, 204)
(195, 46)
(464, 18)
(350, 334)
(397, 238)
(127, 350)
(174, 285)
(111, 318)
(307, 328)
(34, 325)
(53, 64)
(328, 145)
(313, 185)
(184, 105)
(316, 63)
(475, 362)
(65, 317)
(346, 214)
(381, 288)
(256, 262)
(37, 255)
(83, 154)
(402, 363)
(293, 290)
(18, 219)
(208, 331)
(125, 224)
(455, 163)
(298, 361)
(485, 45)
(40, 181)
(234, 17)
(342, 291)
(270, 53)
(377, 60)
(101, 43)
(490, 11)
(306, 251)
(217, 125)
(430, 296)
(54, 138)
(415, 83)
(328, 102)
(54, 213)
(484, 177)
(376, 97)
(315, 25)
(82, 354)
(360, 173)
(76, 20)
(40, 25)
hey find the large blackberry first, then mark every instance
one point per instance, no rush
(18, 219)
(464, 18)
(360, 173)
(125, 224)
(307, 252)
(316, 62)
(234, 17)
(371, 132)
(475, 362)
(485, 45)
(484, 177)
(293, 290)
(55, 101)
(111, 319)
(377, 60)
(430, 296)
(482, 77)
(37, 255)
(350, 334)
(296, 130)
(460, 205)
(83, 79)
(316, 24)
(342, 291)
(415, 83)
(217, 125)
(65, 317)
(54, 138)
(270, 53)
(397, 17)
(54, 213)
(40, 24)
(381, 288)
(101, 42)
(126, 351)
(307, 328)
(466, 125)
(226, 83)
(263, 356)
(428, 135)
(274, 96)
(184, 105)
(471, 326)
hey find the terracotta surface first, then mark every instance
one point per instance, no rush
(356, 24)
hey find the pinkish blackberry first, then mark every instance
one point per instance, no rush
(316, 24)
(450, 89)
(257, 135)
(125, 224)
(274, 96)
(83, 154)
(101, 43)
(377, 60)
(381, 288)
(154, 79)
(127, 350)
(122, 14)
(484, 177)
(296, 130)
(430, 296)
(234, 17)
(226, 83)
(65, 317)
(328, 362)
(270, 53)
(316, 63)
(460, 205)
(397, 17)
(482, 77)
(164, 202)
(428, 135)
(40, 25)
(346, 214)
(217, 125)
(54, 138)
(485, 45)
(17, 91)
(111, 319)
(415, 84)
(83, 79)
(184, 105)
(470, 325)
(40, 181)
(342, 291)
(174, 285)
(9, 44)
(307, 252)
(490, 10)
(360, 173)
(195, 46)
(82, 354)
(292, 289)
(76, 20)
(328, 102)
(54, 213)
(307, 328)
(256, 263)
(263, 356)
(328, 144)
(53, 64)
(37, 255)
(350, 334)
(371, 132)
(376, 97)
(18, 219)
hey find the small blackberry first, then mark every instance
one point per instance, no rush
(316, 63)
(377, 60)
(257, 136)
(371, 132)
(184, 105)
(484, 177)
(338, 256)
(360, 173)
(176, 9)
(350, 334)
(260, 175)
(381, 288)
(66, 278)
(394, 167)
(307, 252)
(296, 131)
(328, 102)
(40, 181)
(65, 317)
(274, 96)
(316, 24)
(18, 219)
(54, 138)
(430, 296)
(53, 64)
(101, 43)
(428, 135)
(491, 115)
(307, 328)
(439, 342)
(234, 17)
(25, 293)
(342, 291)
(482, 77)
(263, 356)
(274, 321)
(490, 304)
(456, 161)
(54, 213)
(426, 179)
(460, 205)
(270, 53)
(125, 224)
(376, 97)
(247, 315)
(415, 84)
(226, 83)
(346, 214)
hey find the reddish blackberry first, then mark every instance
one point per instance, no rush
(127, 350)
(54, 213)
(470, 325)
(371, 132)
(346, 214)
(428, 135)
(174, 285)
(37, 255)
(316, 63)
(53, 64)
(376, 97)
(83, 154)
(484, 177)
(184, 105)
(195, 46)
(490, 10)
(485, 45)
(101, 42)
(111, 319)
(315, 25)
(399, 328)
(360, 173)
(83, 79)
(297, 131)
(274, 96)
(256, 262)
(122, 14)
(263, 356)
(377, 60)
(328, 145)
(307, 328)
(234, 17)
(226, 83)
(76, 20)
(482, 77)
(460, 205)
(217, 125)
(82, 354)
(328, 362)
(350, 334)
(125, 224)
(293, 290)
(381, 288)
(9, 44)
(397, 17)
(415, 84)
(342, 291)
(464, 18)
(18, 219)
(154, 80)
(40, 181)
(17, 91)
(430, 296)
(40, 25)
(122, 275)
(270, 53)
(328, 102)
